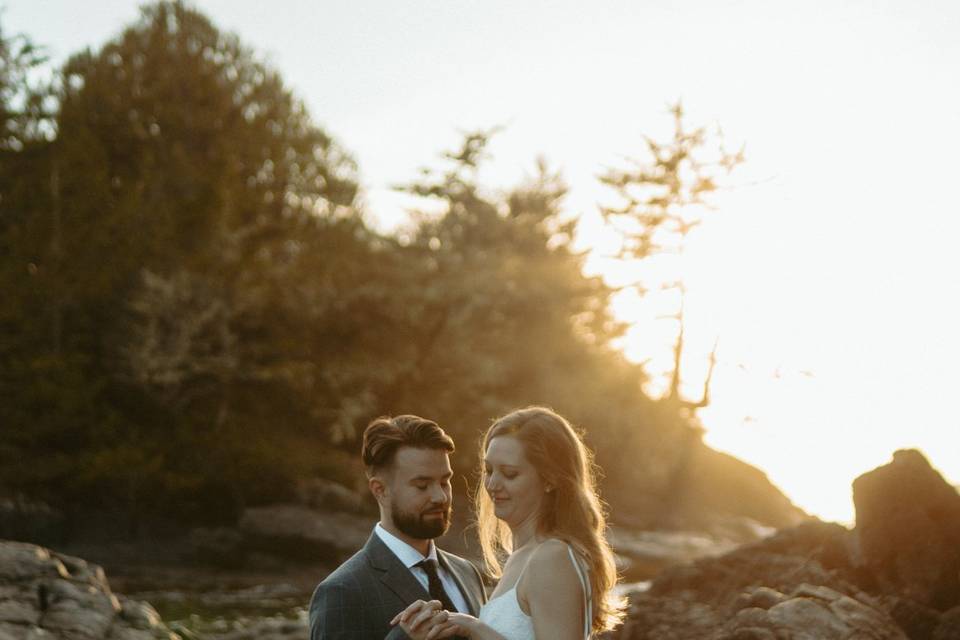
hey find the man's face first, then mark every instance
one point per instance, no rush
(418, 493)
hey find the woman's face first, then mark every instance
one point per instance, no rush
(512, 482)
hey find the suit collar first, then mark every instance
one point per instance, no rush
(392, 573)
(400, 580)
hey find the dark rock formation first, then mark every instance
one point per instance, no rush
(895, 576)
(908, 530)
(47, 596)
(296, 532)
(282, 533)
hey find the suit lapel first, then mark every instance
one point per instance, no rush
(468, 594)
(393, 574)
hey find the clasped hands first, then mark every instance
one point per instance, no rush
(427, 620)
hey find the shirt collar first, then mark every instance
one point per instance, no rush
(407, 554)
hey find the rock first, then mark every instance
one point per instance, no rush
(822, 615)
(326, 495)
(296, 532)
(908, 531)
(816, 592)
(917, 621)
(720, 580)
(806, 618)
(50, 596)
(775, 588)
(79, 610)
(949, 627)
(19, 604)
(827, 542)
(759, 598)
(218, 546)
(889, 579)
(669, 618)
(752, 633)
(21, 561)
(139, 615)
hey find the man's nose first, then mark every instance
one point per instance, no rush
(437, 494)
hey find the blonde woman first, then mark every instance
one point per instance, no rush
(538, 506)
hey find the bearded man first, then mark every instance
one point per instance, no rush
(408, 471)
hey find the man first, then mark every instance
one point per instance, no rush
(408, 471)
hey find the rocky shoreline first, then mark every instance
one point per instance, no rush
(44, 595)
(894, 576)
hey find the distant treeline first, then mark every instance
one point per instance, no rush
(195, 314)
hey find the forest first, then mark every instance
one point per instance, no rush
(197, 314)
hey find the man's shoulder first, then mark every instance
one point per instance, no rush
(349, 573)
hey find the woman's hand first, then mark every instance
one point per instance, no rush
(423, 620)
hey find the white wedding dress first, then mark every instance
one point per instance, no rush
(504, 615)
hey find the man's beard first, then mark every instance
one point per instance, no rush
(419, 528)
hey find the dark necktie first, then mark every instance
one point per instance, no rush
(436, 589)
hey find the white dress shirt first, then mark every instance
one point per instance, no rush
(410, 557)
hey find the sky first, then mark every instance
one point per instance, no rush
(828, 271)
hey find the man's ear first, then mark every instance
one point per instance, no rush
(377, 487)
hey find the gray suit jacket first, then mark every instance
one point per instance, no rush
(360, 598)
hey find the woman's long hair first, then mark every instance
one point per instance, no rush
(571, 512)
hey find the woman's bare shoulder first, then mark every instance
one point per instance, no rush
(550, 584)
(551, 560)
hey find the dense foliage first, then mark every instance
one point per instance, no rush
(195, 315)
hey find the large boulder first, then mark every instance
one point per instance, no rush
(299, 533)
(46, 595)
(908, 530)
(274, 535)
(327, 495)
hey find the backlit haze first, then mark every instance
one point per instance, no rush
(830, 272)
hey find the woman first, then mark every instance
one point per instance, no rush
(539, 505)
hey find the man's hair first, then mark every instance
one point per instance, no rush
(385, 435)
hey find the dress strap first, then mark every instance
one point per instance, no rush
(587, 596)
